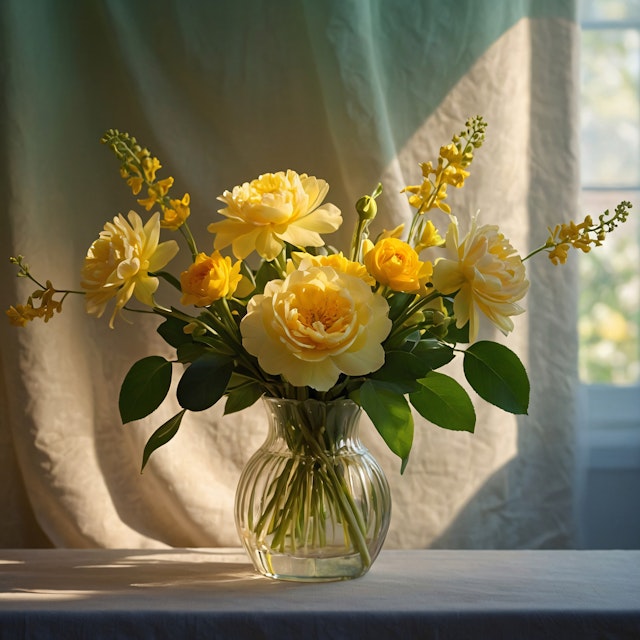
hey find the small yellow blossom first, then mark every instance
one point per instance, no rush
(396, 232)
(48, 305)
(20, 314)
(149, 166)
(156, 192)
(273, 209)
(430, 237)
(456, 159)
(135, 182)
(428, 195)
(453, 160)
(395, 264)
(559, 253)
(176, 214)
(583, 236)
(208, 279)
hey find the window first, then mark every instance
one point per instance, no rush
(610, 155)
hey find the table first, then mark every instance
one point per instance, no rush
(213, 593)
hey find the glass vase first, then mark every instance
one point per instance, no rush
(312, 503)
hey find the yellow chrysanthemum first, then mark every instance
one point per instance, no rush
(118, 263)
(485, 273)
(273, 209)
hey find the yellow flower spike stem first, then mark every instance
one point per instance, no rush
(581, 236)
(451, 169)
(367, 209)
(20, 314)
(138, 167)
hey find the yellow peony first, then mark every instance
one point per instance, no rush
(336, 260)
(316, 324)
(118, 263)
(395, 264)
(273, 209)
(487, 273)
(208, 279)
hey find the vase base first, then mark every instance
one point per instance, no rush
(308, 569)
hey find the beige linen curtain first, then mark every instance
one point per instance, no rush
(353, 92)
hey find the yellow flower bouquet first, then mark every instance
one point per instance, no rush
(273, 312)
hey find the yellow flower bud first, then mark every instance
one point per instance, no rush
(208, 279)
(395, 264)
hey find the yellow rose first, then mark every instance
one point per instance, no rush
(487, 274)
(118, 263)
(395, 264)
(316, 324)
(208, 279)
(273, 209)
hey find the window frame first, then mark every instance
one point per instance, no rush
(611, 412)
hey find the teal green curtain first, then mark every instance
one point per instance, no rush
(353, 91)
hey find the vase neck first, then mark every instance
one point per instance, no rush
(331, 425)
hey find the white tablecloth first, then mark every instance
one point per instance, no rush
(213, 593)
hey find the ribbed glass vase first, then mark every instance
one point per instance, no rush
(312, 504)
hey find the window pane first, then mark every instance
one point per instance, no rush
(609, 303)
(610, 111)
(609, 10)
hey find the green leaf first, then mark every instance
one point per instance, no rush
(402, 369)
(398, 302)
(433, 353)
(161, 436)
(204, 382)
(459, 336)
(265, 273)
(190, 351)
(242, 397)
(391, 415)
(172, 332)
(497, 375)
(442, 401)
(144, 388)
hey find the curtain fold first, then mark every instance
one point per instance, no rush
(352, 92)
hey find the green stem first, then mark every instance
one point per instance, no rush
(342, 494)
(188, 236)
